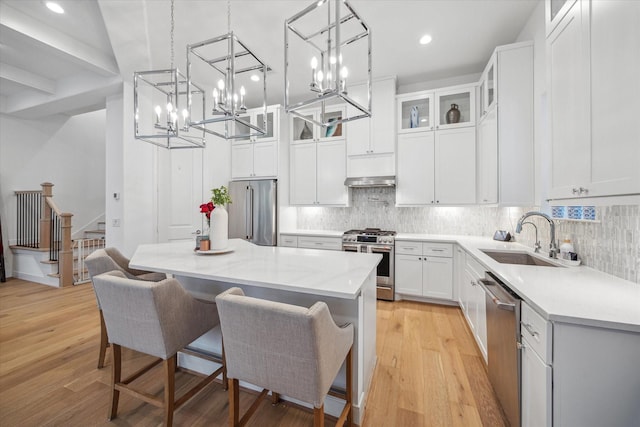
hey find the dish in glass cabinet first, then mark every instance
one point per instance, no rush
(215, 251)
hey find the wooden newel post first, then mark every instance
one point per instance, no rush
(66, 253)
(45, 216)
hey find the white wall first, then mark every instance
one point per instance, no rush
(66, 151)
(138, 171)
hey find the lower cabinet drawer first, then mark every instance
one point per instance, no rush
(537, 331)
(327, 243)
(289, 241)
(438, 249)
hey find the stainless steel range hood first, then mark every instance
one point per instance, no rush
(371, 181)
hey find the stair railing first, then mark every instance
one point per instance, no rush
(41, 225)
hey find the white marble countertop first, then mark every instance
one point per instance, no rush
(325, 273)
(579, 295)
(315, 233)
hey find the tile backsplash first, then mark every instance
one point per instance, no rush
(610, 244)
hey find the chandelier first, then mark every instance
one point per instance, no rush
(165, 103)
(330, 42)
(229, 67)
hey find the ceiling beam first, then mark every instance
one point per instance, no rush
(27, 78)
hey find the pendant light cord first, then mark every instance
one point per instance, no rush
(228, 16)
(172, 28)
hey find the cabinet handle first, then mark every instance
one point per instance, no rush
(574, 190)
(520, 346)
(529, 329)
(583, 190)
(473, 283)
(432, 202)
(406, 248)
(437, 127)
(419, 259)
(437, 250)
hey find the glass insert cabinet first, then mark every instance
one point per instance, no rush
(304, 131)
(438, 110)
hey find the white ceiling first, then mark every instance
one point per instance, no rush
(68, 63)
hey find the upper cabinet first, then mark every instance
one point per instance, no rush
(304, 131)
(554, 11)
(256, 118)
(505, 130)
(487, 91)
(415, 112)
(257, 156)
(455, 107)
(436, 153)
(593, 55)
(371, 142)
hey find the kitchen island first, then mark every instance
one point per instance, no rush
(345, 281)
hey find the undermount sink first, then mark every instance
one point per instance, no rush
(521, 258)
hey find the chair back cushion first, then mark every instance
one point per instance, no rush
(292, 350)
(156, 318)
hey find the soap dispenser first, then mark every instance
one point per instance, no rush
(565, 248)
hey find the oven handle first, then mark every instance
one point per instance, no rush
(377, 249)
(351, 248)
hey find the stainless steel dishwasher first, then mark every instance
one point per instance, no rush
(503, 337)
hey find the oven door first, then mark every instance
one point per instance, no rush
(385, 272)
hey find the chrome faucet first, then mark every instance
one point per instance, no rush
(536, 246)
(553, 246)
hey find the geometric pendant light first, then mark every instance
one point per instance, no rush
(329, 42)
(233, 72)
(164, 105)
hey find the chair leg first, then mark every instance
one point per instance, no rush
(318, 417)
(275, 398)
(169, 389)
(349, 385)
(225, 383)
(116, 377)
(234, 402)
(104, 342)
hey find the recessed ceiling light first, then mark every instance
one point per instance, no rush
(54, 7)
(255, 78)
(426, 39)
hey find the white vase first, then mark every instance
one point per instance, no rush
(219, 232)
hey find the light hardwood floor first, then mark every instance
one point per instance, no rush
(429, 371)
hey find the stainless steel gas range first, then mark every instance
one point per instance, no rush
(374, 240)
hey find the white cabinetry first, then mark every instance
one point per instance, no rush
(505, 131)
(593, 55)
(461, 98)
(288, 240)
(536, 375)
(303, 131)
(436, 161)
(257, 156)
(311, 242)
(371, 143)
(473, 302)
(488, 158)
(325, 243)
(436, 167)
(424, 269)
(317, 173)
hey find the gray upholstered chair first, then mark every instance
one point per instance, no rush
(109, 259)
(155, 318)
(290, 350)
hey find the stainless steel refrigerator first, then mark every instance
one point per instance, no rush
(253, 211)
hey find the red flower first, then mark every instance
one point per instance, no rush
(207, 208)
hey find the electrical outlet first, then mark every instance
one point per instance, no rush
(115, 222)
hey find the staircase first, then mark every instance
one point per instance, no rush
(45, 252)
